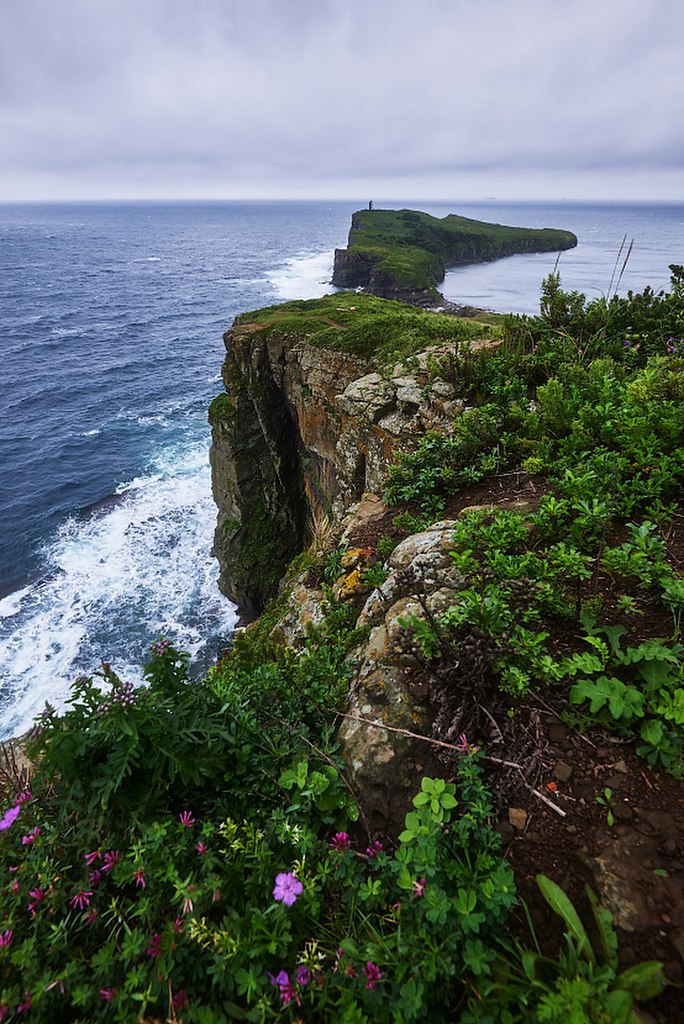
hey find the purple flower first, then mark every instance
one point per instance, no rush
(340, 841)
(93, 856)
(373, 974)
(91, 916)
(374, 849)
(107, 994)
(287, 888)
(31, 837)
(186, 818)
(95, 877)
(287, 991)
(6, 939)
(201, 848)
(139, 878)
(303, 975)
(9, 817)
(81, 900)
(154, 948)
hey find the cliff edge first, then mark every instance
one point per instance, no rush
(317, 402)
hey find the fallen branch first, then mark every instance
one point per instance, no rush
(452, 746)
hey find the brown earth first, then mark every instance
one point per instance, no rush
(549, 814)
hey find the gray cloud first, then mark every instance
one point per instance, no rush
(175, 97)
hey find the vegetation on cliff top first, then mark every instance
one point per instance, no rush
(368, 327)
(413, 249)
(191, 851)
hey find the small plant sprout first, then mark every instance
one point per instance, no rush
(607, 800)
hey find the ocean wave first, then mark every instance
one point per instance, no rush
(140, 567)
(305, 276)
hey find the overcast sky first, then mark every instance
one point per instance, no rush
(341, 98)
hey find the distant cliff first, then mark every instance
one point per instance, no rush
(403, 254)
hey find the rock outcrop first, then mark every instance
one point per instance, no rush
(302, 431)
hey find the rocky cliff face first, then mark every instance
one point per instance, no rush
(302, 431)
(356, 269)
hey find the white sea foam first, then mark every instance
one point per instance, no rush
(11, 604)
(305, 276)
(114, 583)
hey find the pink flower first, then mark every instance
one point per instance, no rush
(6, 939)
(186, 818)
(373, 974)
(90, 858)
(179, 1000)
(374, 849)
(95, 877)
(26, 1005)
(349, 971)
(419, 888)
(286, 989)
(107, 994)
(91, 916)
(37, 895)
(178, 925)
(201, 848)
(340, 841)
(15, 886)
(31, 837)
(81, 900)
(464, 747)
(24, 796)
(287, 888)
(110, 859)
(154, 948)
(9, 817)
(139, 878)
(188, 905)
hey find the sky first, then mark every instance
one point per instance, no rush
(470, 99)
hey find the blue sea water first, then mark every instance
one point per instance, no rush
(111, 323)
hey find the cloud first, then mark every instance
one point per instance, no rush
(173, 94)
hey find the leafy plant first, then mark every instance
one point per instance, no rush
(607, 800)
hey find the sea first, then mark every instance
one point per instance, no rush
(111, 324)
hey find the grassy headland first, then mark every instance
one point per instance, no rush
(402, 253)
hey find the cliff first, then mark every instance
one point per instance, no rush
(308, 422)
(404, 254)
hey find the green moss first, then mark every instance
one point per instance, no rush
(222, 410)
(366, 326)
(261, 551)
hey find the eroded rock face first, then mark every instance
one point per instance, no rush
(388, 690)
(301, 431)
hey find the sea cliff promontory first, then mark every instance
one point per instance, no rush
(404, 254)
(317, 404)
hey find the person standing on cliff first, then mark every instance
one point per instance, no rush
(370, 204)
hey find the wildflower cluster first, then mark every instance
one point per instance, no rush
(122, 695)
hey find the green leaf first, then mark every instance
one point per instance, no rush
(644, 980)
(562, 905)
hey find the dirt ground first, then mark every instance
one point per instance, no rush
(630, 848)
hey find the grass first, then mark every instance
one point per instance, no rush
(415, 248)
(366, 326)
